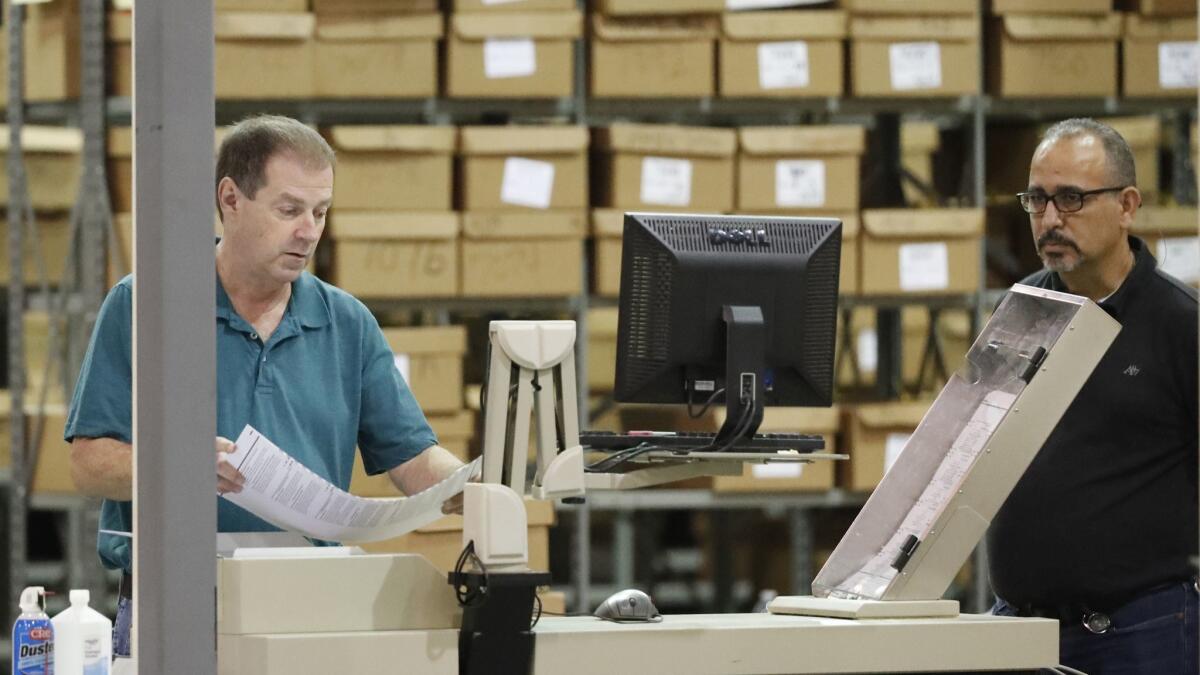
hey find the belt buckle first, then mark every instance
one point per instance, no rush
(1097, 623)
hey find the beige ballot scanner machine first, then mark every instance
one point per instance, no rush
(935, 503)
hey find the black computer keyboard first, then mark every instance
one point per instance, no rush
(669, 440)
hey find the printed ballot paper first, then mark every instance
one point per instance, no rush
(289, 495)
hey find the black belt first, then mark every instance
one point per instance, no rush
(1096, 618)
(125, 590)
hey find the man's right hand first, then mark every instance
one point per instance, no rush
(229, 479)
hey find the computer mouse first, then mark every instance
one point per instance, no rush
(628, 605)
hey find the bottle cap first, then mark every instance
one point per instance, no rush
(31, 598)
(80, 596)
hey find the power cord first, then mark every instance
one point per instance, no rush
(707, 404)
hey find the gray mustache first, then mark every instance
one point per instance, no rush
(1054, 237)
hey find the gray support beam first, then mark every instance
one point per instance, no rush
(174, 413)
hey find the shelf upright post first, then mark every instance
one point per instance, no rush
(18, 492)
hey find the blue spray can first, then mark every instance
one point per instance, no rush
(33, 636)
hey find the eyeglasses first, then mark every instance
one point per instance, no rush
(1066, 201)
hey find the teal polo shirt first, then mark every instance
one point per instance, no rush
(323, 383)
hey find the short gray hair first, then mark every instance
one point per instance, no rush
(1120, 158)
(251, 143)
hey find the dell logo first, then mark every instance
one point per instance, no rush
(737, 235)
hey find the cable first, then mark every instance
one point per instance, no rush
(538, 616)
(707, 404)
(466, 596)
(619, 458)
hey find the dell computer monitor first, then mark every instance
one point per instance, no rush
(744, 304)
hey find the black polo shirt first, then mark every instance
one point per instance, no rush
(1108, 507)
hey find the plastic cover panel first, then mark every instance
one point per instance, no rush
(940, 453)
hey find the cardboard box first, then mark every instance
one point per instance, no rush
(1064, 7)
(921, 251)
(52, 50)
(53, 163)
(454, 432)
(1160, 7)
(919, 141)
(1144, 134)
(602, 348)
(120, 248)
(512, 55)
(641, 7)
(770, 54)
(430, 359)
(512, 5)
(903, 7)
(377, 56)
(441, 541)
(264, 56)
(799, 169)
(52, 473)
(119, 50)
(395, 168)
(647, 167)
(523, 254)
(849, 277)
(517, 168)
(875, 436)
(1083, 49)
(1171, 235)
(917, 56)
(35, 332)
(653, 57)
(395, 254)
(608, 227)
(53, 232)
(326, 7)
(261, 5)
(1159, 57)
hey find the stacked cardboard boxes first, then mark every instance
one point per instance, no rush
(393, 231)
(430, 359)
(524, 196)
(1078, 36)
(521, 49)
(919, 142)
(602, 348)
(952, 332)
(916, 48)
(52, 472)
(782, 54)
(52, 167)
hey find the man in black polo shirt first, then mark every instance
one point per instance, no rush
(1101, 530)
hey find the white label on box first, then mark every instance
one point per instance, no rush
(516, 57)
(892, 448)
(915, 65)
(800, 182)
(527, 182)
(866, 345)
(402, 365)
(783, 65)
(666, 181)
(1180, 257)
(1178, 65)
(924, 267)
(777, 470)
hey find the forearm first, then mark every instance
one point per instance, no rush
(102, 467)
(430, 467)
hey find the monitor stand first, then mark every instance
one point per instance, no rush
(745, 361)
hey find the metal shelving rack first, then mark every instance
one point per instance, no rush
(92, 221)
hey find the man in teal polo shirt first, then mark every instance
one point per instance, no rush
(302, 361)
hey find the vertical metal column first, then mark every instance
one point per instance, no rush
(95, 222)
(801, 545)
(18, 492)
(174, 406)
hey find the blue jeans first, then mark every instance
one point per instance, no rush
(1154, 634)
(121, 628)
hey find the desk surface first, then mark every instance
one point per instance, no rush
(701, 643)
